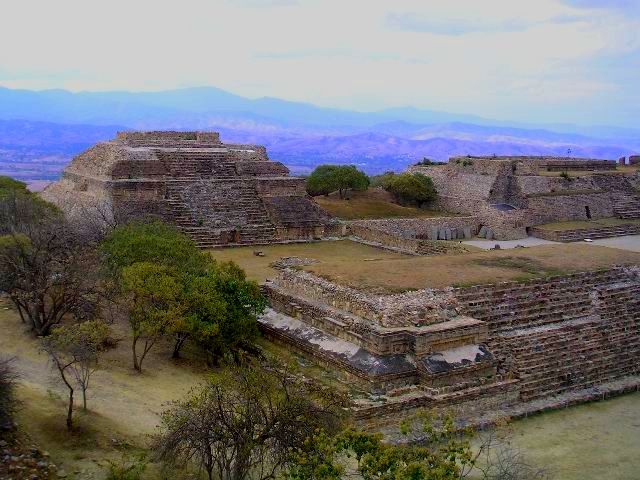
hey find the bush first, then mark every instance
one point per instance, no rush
(411, 188)
(425, 162)
(326, 179)
(8, 379)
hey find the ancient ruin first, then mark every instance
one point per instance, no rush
(485, 351)
(510, 195)
(219, 194)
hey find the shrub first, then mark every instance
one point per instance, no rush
(8, 379)
(411, 188)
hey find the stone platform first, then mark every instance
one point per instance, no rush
(219, 194)
(474, 350)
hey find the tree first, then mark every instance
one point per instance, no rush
(49, 271)
(411, 188)
(74, 350)
(8, 378)
(153, 242)
(20, 209)
(153, 295)
(222, 308)
(434, 449)
(331, 178)
(246, 422)
(210, 303)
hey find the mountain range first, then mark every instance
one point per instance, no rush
(40, 131)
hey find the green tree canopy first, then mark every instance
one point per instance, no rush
(153, 242)
(210, 303)
(411, 188)
(326, 179)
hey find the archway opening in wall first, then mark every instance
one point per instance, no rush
(587, 211)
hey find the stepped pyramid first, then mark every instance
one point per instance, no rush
(219, 194)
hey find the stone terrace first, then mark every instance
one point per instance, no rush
(476, 350)
(219, 194)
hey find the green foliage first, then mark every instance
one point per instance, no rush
(326, 179)
(382, 180)
(74, 350)
(565, 176)
(413, 188)
(175, 289)
(435, 453)
(153, 242)
(85, 338)
(21, 209)
(8, 184)
(154, 297)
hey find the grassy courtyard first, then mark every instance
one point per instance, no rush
(376, 270)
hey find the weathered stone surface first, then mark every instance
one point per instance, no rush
(216, 193)
(499, 348)
(511, 194)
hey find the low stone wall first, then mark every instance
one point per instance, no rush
(421, 236)
(579, 234)
(415, 308)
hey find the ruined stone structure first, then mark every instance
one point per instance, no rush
(219, 194)
(508, 195)
(486, 351)
(419, 236)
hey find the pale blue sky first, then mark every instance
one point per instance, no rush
(537, 61)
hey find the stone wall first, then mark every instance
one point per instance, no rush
(421, 236)
(546, 337)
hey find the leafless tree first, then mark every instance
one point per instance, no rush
(246, 423)
(74, 350)
(498, 458)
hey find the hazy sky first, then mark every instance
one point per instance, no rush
(529, 60)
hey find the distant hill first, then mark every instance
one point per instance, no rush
(41, 131)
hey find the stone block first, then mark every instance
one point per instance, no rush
(433, 233)
(442, 234)
(489, 234)
(447, 233)
(634, 160)
(483, 232)
(467, 233)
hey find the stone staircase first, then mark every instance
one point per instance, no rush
(577, 235)
(198, 165)
(627, 206)
(228, 213)
(576, 355)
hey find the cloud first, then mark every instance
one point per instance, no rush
(414, 22)
(543, 60)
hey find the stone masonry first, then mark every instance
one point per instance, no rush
(219, 194)
(509, 347)
(509, 195)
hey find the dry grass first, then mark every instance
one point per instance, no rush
(408, 273)
(374, 203)
(340, 251)
(587, 224)
(123, 405)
